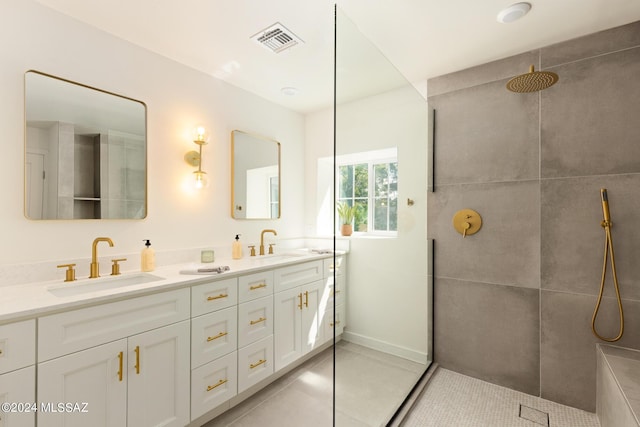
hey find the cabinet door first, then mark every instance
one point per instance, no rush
(18, 387)
(213, 335)
(255, 320)
(213, 384)
(311, 320)
(96, 377)
(255, 363)
(159, 373)
(287, 336)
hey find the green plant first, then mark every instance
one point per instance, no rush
(346, 212)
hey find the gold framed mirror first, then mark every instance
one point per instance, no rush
(85, 152)
(255, 176)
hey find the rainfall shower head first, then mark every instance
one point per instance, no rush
(532, 81)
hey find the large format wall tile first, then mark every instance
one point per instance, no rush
(485, 134)
(489, 332)
(506, 250)
(568, 351)
(592, 45)
(485, 73)
(589, 118)
(573, 240)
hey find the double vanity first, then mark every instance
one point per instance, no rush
(163, 348)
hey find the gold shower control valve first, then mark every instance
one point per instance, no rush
(467, 222)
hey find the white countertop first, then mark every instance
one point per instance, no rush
(36, 299)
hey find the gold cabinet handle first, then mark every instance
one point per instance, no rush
(306, 299)
(300, 299)
(120, 363)
(258, 363)
(261, 285)
(220, 335)
(336, 324)
(211, 387)
(137, 350)
(253, 322)
(217, 297)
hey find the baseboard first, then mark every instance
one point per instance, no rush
(385, 347)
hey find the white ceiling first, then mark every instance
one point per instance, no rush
(422, 38)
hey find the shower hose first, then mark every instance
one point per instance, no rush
(608, 250)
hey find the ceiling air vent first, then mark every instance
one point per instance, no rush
(276, 38)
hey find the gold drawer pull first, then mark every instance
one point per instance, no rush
(253, 322)
(255, 365)
(332, 293)
(337, 323)
(217, 297)
(261, 285)
(220, 335)
(120, 363)
(211, 387)
(306, 298)
(300, 299)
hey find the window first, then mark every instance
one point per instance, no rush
(371, 186)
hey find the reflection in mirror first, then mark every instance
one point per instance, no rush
(255, 176)
(85, 152)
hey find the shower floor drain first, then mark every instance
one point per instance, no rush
(538, 417)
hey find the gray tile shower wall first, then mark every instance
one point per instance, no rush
(513, 303)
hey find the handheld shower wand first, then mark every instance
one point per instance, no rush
(608, 249)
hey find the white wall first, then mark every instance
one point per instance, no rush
(177, 98)
(387, 303)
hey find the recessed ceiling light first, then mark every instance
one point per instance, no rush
(513, 12)
(289, 91)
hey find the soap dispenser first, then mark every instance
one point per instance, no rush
(147, 257)
(236, 249)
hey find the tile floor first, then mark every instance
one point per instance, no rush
(371, 385)
(452, 399)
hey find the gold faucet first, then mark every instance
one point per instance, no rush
(95, 265)
(262, 239)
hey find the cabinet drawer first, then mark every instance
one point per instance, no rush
(296, 275)
(18, 387)
(255, 320)
(255, 363)
(340, 262)
(214, 296)
(255, 286)
(64, 333)
(213, 335)
(213, 384)
(17, 345)
(329, 325)
(337, 291)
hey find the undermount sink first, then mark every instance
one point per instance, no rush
(268, 259)
(100, 284)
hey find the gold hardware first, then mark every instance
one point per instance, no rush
(137, 350)
(220, 335)
(262, 239)
(217, 297)
(70, 273)
(410, 202)
(300, 303)
(115, 267)
(337, 323)
(261, 285)
(254, 322)
(306, 298)
(271, 248)
(255, 365)
(332, 293)
(253, 250)
(467, 222)
(95, 265)
(121, 363)
(211, 387)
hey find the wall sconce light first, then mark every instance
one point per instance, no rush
(194, 158)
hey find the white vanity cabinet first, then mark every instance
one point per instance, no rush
(297, 302)
(136, 375)
(336, 290)
(17, 372)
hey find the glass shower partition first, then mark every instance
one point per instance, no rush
(381, 138)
